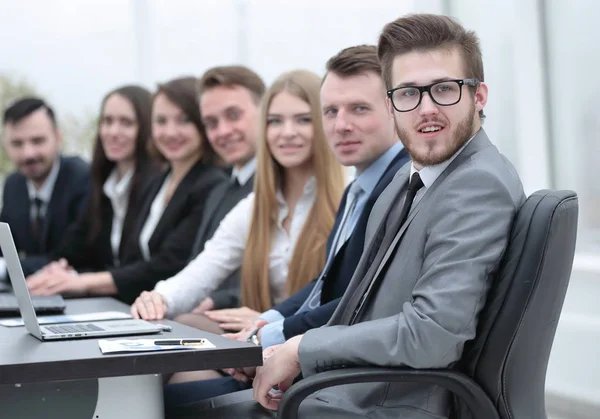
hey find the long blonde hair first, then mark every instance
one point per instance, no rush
(309, 252)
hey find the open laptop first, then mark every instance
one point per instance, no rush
(67, 331)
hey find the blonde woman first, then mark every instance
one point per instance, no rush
(277, 235)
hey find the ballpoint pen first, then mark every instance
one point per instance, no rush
(181, 342)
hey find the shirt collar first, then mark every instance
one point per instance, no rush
(45, 192)
(309, 190)
(369, 178)
(429, 174)
(113, 188)
(245, 173)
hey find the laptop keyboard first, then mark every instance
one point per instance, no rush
(75, 328)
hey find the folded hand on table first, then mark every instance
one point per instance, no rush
(150, 305)
(235, 319)
(56, 278)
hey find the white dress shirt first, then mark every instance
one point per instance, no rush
(429, 174)
(224, 252)
(156, 212)
(117, 192)
(245, 173)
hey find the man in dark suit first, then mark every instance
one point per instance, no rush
(47, 192)
(434, 240)
(360, 132)
(229, 99)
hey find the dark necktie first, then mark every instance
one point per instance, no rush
(413, 187)
(37, 224)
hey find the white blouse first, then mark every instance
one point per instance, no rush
(224, 252)
(156, 212)
(117, 192)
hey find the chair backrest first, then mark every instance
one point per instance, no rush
(509, 356)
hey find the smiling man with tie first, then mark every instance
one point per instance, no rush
(47, 192)
(421, 281)
(229, 98)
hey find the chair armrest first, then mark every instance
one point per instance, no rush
(462, 386)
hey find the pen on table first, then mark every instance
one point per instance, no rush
(181, 342)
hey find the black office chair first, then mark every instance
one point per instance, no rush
(503, 370)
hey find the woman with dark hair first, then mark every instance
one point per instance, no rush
(171, 208)
(120, 164)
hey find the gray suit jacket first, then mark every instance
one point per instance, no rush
(431, 279)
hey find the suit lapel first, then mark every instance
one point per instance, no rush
(386, 200)
(22, 223)
(366, 286)
(211, 206)
(148, 198)
(371, 200)
(54, 206)
(175, 203)
(336, 224)
(363, 271)
(377, 192)
(354, 245)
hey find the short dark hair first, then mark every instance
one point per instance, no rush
(24, 107)
(181, 92)
(354, 60)
(233, 75)
(426, 32)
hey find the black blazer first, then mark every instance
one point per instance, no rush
(343, 266)
(171, 242)
(97, 255)
(68, 200)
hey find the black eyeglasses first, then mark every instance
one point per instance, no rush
(444, 93)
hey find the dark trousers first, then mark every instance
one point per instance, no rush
(180, 394)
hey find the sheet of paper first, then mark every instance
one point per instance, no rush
(111, 346)
(70, 318)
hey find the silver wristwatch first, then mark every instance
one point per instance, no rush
(253, 338)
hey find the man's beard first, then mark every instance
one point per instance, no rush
(462, 133)
(45, 171)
